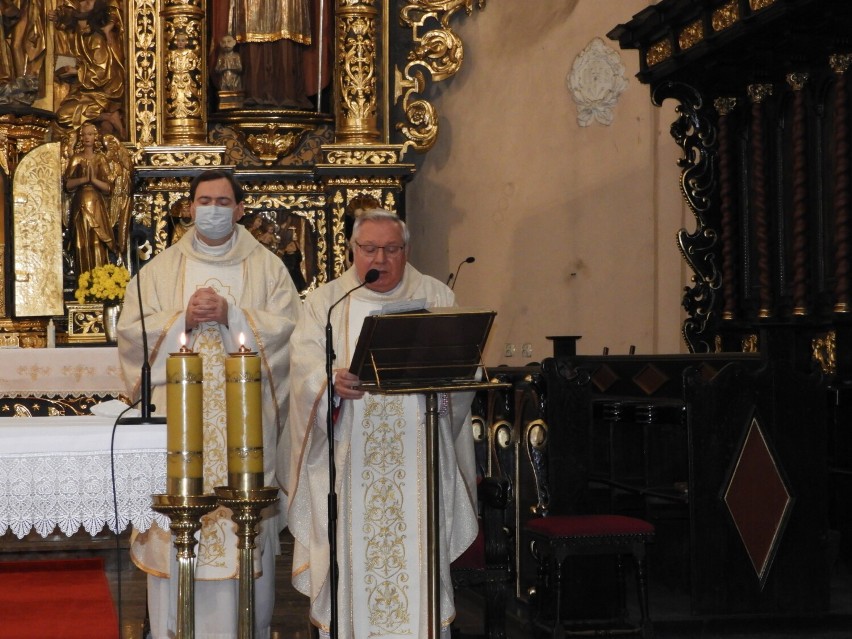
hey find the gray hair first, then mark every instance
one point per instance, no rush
(379, 215)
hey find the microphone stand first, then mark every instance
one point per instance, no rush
(455, 278)
(145, 373)
(371, 276)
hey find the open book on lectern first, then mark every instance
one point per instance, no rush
(435, 346)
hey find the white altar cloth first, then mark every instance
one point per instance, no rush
(60, 372)
(56, 471)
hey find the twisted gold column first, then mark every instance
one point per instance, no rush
(797, 82)
(758, 93)
(840, 64)
(724, 106)
(356, 50)
(184, 68)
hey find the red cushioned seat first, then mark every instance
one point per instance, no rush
(554, 539)
(590, 526)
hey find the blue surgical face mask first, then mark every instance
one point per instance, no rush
(214, 222)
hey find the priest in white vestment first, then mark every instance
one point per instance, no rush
(380, 457)
(216, 284)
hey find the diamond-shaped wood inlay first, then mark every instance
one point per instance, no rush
(650, 379)
(758, 500)
(604, 377)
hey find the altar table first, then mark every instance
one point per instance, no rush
(56, 471)
(55, 372)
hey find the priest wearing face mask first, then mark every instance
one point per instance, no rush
(214, 285)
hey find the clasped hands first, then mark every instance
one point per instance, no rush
(206, 305)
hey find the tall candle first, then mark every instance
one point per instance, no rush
(184, 424)
(244, 421)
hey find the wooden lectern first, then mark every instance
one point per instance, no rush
(428, 352)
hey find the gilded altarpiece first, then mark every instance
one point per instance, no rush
(307, 169)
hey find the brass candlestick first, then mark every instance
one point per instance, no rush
(246, 506)
(184, 513)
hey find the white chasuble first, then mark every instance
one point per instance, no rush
(217, 551)
(388, 533)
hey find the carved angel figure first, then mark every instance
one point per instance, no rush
(88, 180)
(121, 175)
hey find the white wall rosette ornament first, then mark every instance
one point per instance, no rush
(596, 81)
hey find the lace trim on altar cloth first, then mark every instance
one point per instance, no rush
(71, 490)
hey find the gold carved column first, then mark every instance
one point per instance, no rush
(356, 44)
(184, 65)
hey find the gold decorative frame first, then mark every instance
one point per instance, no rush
(86, 323)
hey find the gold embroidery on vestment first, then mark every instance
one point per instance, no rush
(387, 568)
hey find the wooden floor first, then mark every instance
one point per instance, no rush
(128, 583)
(669, 609)
(290, 617)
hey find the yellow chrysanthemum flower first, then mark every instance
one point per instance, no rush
(105, 283)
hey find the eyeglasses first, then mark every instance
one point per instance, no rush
(391, 250)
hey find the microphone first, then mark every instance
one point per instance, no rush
(455, 278)
(369, 277)
(146, 408)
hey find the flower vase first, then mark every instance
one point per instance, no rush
(111, 312)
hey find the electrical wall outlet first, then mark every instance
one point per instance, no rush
(526, 350)
(510, 350)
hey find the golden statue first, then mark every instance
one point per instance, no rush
(92, 33)
(179, 220)
(273, 36)
(121, 172)
(22, 50)
(182, 62)
(87, 178)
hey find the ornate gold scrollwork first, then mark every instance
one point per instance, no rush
(275, 141)
(501, 434)
(357, 108)
(37, 229)
(724, 105)
(536, 436)
(691, 35)
(757, 5)
(824, 352)
(750, 344)
(181, 156)
(438, 50)
(184, 59)
(373, 155)
(726, 15)
(477, 424)
(759, 92)
(143, 89)
(658, 52)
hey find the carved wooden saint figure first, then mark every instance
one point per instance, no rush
(22, 49)
(273, 35)
(182, 63)
(229, 67)
(91, 33)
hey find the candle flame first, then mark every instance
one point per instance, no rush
(183, 339)
(242, 339)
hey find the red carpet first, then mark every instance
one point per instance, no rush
(67, 599)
